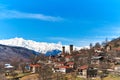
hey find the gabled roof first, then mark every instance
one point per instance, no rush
(118, 49)
(62, 67)
(78, 54)
(8, 66)
(34, 65)
(70, 63)
(59, 62)
(68, 56)
(96, 57)
(83, 67)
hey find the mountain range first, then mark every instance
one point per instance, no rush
(41, 47)
(16, 49)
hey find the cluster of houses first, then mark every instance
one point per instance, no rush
(65, 63)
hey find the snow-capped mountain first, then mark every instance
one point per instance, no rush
(41, 47)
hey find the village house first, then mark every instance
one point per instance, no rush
(108, 47)
(92, 72)
(117, 60)
(98, 50)
(62, 69)
(117, 69)
(116, 49)
(87, 72)
(96, 60)
(59, 64)
(82, 71)
(68, 58)
(8, 69)
(98, 57)
(7, 66)
(70, 64)
(34, 68)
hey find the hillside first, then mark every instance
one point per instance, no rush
(10, 54)
(115, 42)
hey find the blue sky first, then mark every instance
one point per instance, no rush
(77, 22)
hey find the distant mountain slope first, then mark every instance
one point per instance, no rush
(115, 42)
(9, 54)
(41, 47)
(53, 53)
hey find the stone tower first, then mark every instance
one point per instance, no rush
(63, 49)
(71, 49)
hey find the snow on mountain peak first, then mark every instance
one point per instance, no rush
(41, 47)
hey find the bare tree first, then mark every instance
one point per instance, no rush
(23, 67)
(34, 58)
(97, 45)
(45, 72)
(2, 74)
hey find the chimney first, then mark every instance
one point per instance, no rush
(63, 49)
(71, 49)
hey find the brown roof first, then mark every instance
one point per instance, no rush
(59, 62)
(84, 67)
(68, 56)
(70, 63)
(62, 67)
(118, 49)
(78, 54)
(34, 65)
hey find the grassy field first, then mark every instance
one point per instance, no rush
(30, 77)
(71, 77)
(112, 77)
(19, 75)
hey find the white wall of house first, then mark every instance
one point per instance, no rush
(95, 62)
(62, 70)
(84, 72)
(33, 70)
(67, 59)
(71, 66)
(58, 64)
(117, 68)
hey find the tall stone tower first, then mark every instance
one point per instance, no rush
(63, 49)
(71, 49)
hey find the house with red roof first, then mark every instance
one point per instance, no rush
(62, 69)
(70, 64)
(82, 71)
(68, 58)
(87, 72)
(35, 68)
(59, 63)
